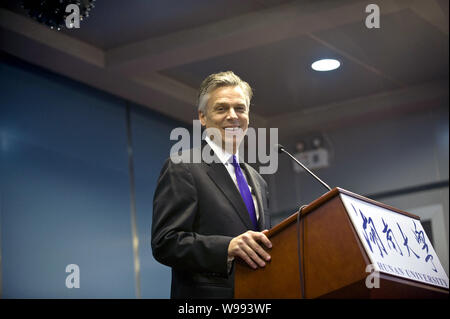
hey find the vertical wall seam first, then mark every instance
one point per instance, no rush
(1, 243)
(134, 232)
(434, 122)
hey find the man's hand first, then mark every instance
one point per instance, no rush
(248, 247)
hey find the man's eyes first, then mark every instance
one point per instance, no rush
(237, 108)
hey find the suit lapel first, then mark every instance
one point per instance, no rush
(220, 176)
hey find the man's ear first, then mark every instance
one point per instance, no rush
(202, 118)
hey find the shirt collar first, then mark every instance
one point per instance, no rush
(223, 155)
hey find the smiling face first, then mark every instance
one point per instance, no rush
(227, 111)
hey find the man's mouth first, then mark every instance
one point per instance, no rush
(232, 129)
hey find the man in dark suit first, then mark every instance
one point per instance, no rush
(205, 214)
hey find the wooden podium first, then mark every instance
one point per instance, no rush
(333, 259)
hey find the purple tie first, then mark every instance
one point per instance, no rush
(245, 192)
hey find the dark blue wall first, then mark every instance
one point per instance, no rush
(65, 188)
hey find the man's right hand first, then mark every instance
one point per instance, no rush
(248, 246)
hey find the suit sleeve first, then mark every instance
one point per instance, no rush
(174, 241)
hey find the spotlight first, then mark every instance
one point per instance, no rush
(317, 142)
(300, 146)
(325, 65)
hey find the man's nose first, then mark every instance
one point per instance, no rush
(232, 114)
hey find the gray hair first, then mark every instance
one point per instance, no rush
(221, 79)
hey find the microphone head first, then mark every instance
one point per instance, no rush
(279, 148)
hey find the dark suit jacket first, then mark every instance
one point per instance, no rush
(197, 210)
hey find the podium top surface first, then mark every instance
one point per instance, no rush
(325, 198)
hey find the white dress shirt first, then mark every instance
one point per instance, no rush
(227, 160)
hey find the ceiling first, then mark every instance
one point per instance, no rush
(156, 53)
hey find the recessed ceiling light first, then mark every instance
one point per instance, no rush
(325, 65)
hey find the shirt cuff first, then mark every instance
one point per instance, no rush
(229, 264)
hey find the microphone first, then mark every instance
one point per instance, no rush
(280, 149)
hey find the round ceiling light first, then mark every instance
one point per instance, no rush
(325, 65)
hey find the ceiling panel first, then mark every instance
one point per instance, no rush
(282, 78)
(405, 47)
(116, 22)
